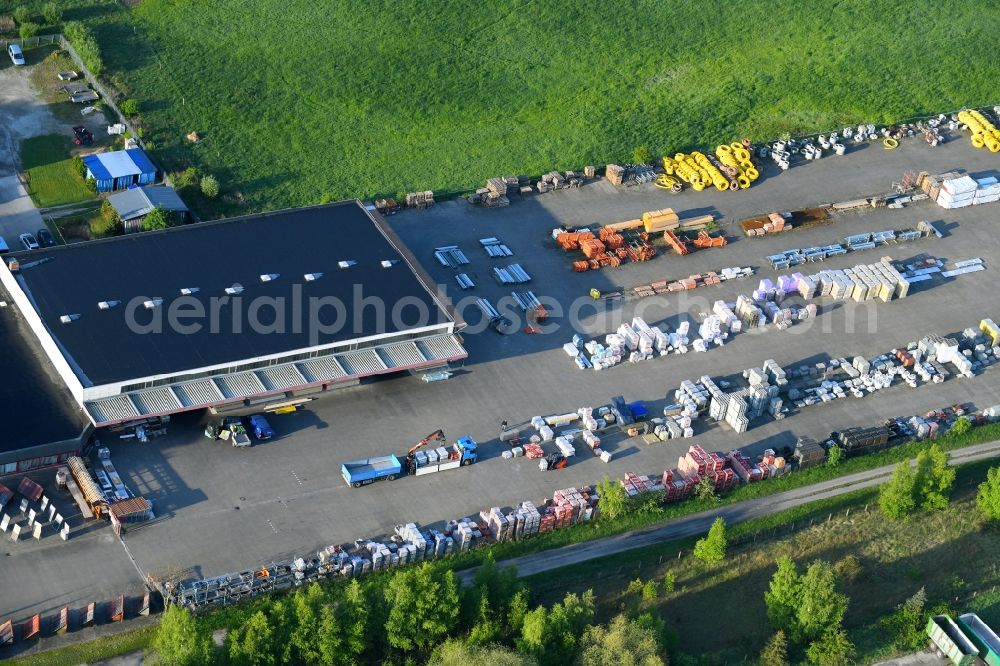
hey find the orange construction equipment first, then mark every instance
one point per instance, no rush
(436, 436)
(674, 241)
(704, 239)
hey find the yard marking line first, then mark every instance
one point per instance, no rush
(142, 576)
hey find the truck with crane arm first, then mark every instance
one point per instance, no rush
(416, 462)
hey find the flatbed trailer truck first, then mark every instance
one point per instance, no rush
(359, 473)
(416, 462)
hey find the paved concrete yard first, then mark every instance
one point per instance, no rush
(227, 509)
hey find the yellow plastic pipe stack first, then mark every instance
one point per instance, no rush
(984, 133)
(718, 179)
(735, 155)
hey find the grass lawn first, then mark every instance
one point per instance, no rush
(51, 178)
(298, 100)
(92, 651)
(718, 611)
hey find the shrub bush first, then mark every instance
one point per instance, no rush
(187, 178)
(28, 30)
(22, 15)
(130, 108)
(51, 13)
(210, 186)
(79, 167)
(86, 46)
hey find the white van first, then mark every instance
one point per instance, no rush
(15, 53)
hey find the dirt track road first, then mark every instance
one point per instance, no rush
(698, 523)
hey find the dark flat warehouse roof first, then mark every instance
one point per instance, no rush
(73, 279)
(35, 408)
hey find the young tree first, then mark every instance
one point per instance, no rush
(22, 15)
(329, 638)
(28, 30)
(130, 108)
(988, 496)
(613, 499)
(534, 632)
(669, 582)
(253, 642)
(307, 616)
(961, 426)
(934, 479)
(834, 455)
(209, 186)
(895, 497)
(820, 606)
(775, 653)
(782, 597)
(455, 653)
(351, 618)
(705, 490)
(552, 636)
(51, 13)
(712, 548)
(177, 641)
(155, 220)
(622, 642)
(424, 607)
(516, 611)
(649, 591)
(907, 623)
(833, 648)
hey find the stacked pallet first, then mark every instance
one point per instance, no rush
(570, 240)
(697, 462)
(660, 220)
(571, 506)
(423, 199)
(957, 192)
(636, 485)
(555, 180)
(615, 174)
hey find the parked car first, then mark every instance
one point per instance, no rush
(261, 428)
(16, 55)
(45, 238)
(29, 242)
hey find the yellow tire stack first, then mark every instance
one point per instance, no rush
(984, 133)
(737, 157)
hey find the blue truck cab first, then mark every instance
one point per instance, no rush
(261, 428)
(469, 450)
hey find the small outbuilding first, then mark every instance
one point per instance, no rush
(135, 203)
(120, 169)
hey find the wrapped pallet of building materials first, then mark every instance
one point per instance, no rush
(987, 190)
(957, 192)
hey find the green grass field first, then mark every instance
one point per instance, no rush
(299, 101)
(51, 178)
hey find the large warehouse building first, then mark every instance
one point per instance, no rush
(239, 311)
